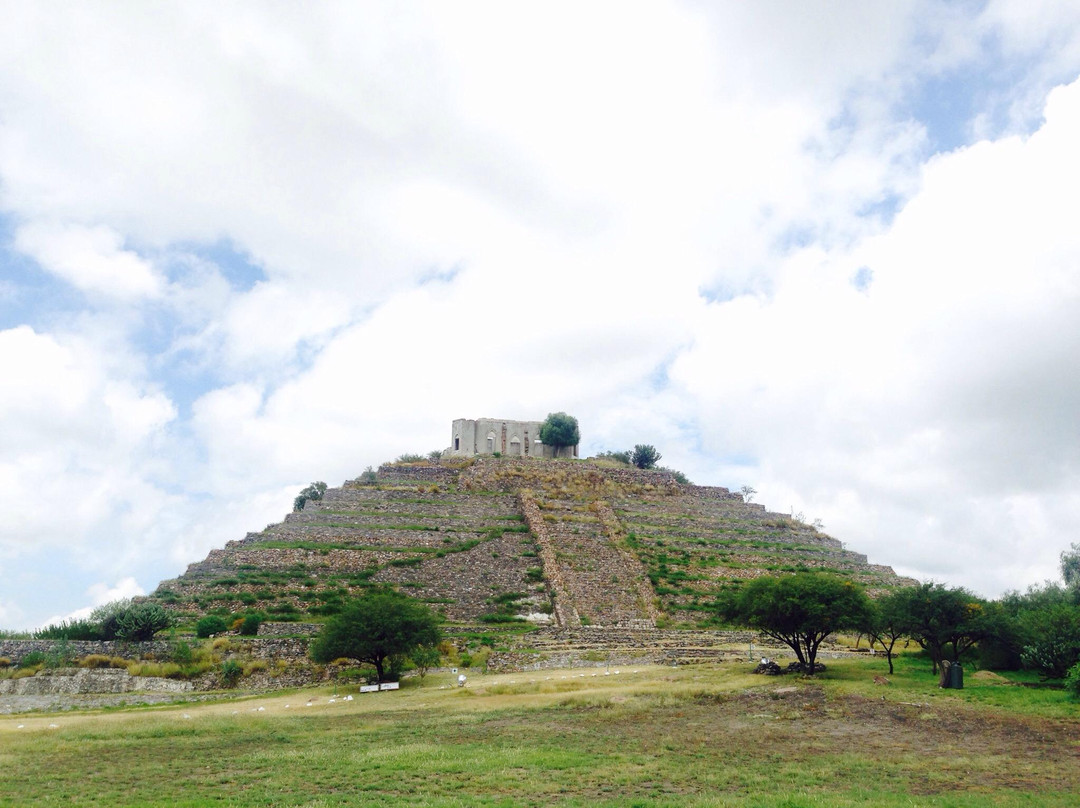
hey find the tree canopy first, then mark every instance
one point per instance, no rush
(888, 623)
(799, 610)
(559, 430)
(943, 620)
(313, 493)
(380, 626)
(645, 456)
(1070, 565)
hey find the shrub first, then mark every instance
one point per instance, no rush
(73, 630)
(424, 658)
(181, 652)
(131, 622)
(210, 625)
(644, 456)
(33, 659)
(231, 671)
(255, 665)
(95, 661)
(617, 457)
(1072, 682)
(250, 626)
(164, 670)
(5, 662)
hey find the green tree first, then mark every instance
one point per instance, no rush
(942, 620)
(424, 658)
(380, 626)
(313, 493)
(1046, 622)
(645, 456)
(799, 610)
(888, 623)
(560, 430)
(1070, 566)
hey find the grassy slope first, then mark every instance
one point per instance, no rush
(707, 735)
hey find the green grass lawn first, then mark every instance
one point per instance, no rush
(699, 735)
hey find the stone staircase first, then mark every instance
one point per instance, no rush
(594, 580)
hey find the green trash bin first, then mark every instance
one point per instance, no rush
(956, 676)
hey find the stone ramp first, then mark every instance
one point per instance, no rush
(594, 580)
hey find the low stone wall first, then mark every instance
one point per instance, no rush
(16, 650)
(270, 629)
(68, 681)
(719, 492)
(388, 473)
(291, 649)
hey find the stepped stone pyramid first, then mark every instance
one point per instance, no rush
(566, 543)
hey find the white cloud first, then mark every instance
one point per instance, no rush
(73, 437)
(10, 614)
(90, 258)
(943, 395)
(464, 211)
(100, 594)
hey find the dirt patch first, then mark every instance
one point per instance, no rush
(990, 678)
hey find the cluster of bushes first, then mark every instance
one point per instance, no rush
(123, 620)
(246, 625)
(642, 456)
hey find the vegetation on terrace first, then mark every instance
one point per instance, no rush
(453, 534)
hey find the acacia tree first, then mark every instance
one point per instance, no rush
(799, 610)
(380, 626)
(942, 620)
(645, 456)
(560, 430)
(888, 624)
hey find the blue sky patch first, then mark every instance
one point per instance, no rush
(863, 277)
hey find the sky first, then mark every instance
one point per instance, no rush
(828, 250)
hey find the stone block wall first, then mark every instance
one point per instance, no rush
(16, 650)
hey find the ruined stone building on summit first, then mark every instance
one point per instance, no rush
(487, 436)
